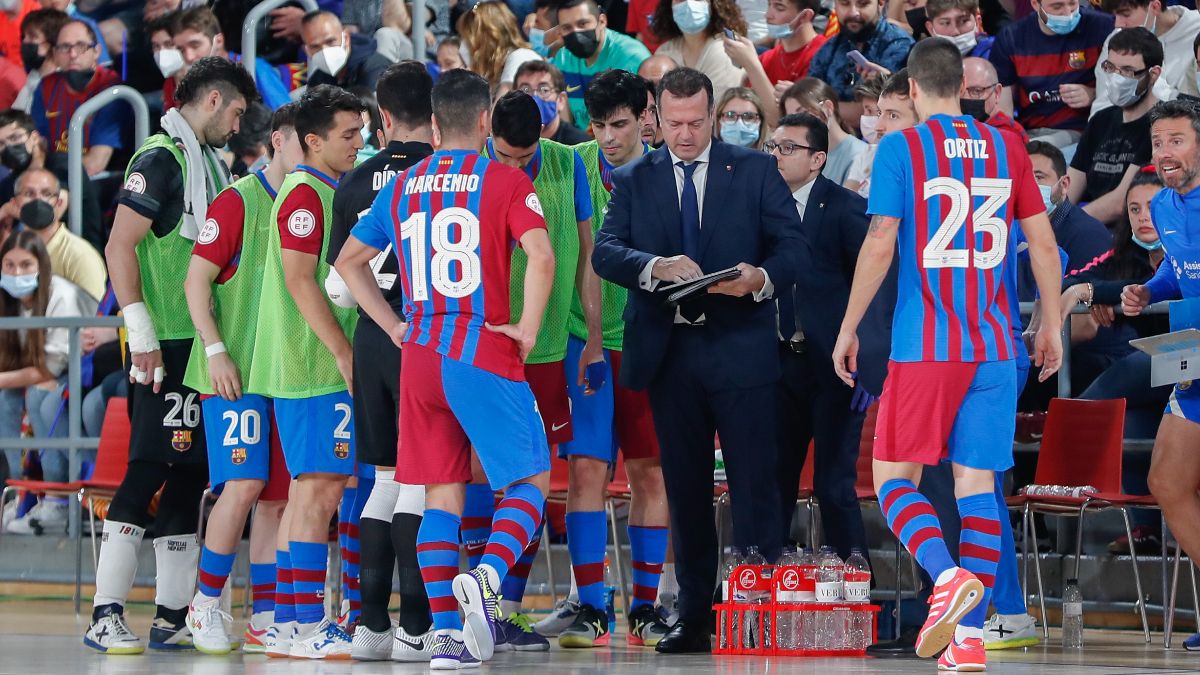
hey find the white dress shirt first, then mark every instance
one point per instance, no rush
(801, 195)
(646, 279)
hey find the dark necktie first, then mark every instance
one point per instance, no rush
(689, 213)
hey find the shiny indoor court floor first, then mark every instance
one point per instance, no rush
(43, 638)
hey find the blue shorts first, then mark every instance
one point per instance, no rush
(935, 410)
(317, 433)
(1185, 401)
(447, 406)
(240, 448)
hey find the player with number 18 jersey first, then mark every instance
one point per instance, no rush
(956, 186)
(453, 219)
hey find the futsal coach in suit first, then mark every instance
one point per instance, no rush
(815, 405)
(693, 207)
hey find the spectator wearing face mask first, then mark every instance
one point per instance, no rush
(195, 34)
(1046, 63)
(34, 361)
(1176, 28)
(981, 97)
(546, 85)
(863, 29)
(337, 57)
(741, 119)
(858, 178)
(23, 149)
(694, 31)
(790, 24)
(12, 12)
(1117, 139)
(39, 205)
(590, 47)
(38, 29)
(78, 79)
(957, 21)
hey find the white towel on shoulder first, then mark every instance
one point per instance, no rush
(206, 176)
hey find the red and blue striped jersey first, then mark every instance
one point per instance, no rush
(453, 219)
(957, 186)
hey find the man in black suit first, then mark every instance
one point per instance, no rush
(711, 365)
(815, 405)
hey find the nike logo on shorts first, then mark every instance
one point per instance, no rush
(556, 427)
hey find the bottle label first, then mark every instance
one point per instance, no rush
(1072, 609)
(829, 591)
(858, 591)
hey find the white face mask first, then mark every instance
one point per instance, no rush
(331, 59)
(1122, 90)
(169, 61)
(965, 42)
(869, 125)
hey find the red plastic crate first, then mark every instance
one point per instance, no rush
(778, 628)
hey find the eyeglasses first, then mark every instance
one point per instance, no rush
(749, 117)
(47, 195)
(545, 91)
(1125, 71)
(980, 92)
(786, 149)
(74, 47)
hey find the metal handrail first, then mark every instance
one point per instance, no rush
(141, 129)
(418, 30)
(250, 29)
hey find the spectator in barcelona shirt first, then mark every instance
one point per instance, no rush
(1175, 27)
(1046, 63)
(1117, 139)
(61, 93)
(590, 47)
(863, 29)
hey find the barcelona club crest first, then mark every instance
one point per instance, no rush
(181, 440)
(341, 449)
(238, 456)
(1076, 60)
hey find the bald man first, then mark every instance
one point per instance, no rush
(981, 97)
(655, 67)
(336, 56)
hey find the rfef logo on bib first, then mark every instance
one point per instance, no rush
(533, 203)
(208, 233)
(136, 183)
(302, 223)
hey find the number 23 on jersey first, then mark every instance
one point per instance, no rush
(989, 243)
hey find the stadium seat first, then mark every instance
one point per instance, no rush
(1082, 445)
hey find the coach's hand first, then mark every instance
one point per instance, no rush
(1134, 298)
(226, 382)
(147, 368)
(750, 281)
(676, 269)
(845, 357)
(525, 339)
(1048, 351)
(345, 366)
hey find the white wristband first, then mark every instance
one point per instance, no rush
(214, 349)
(140, 329)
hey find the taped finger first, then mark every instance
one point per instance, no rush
(159, 374)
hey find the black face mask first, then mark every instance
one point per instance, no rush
(37, 215)
(78, 79)
(30, 57)
(16, 157)
(582, 43)
(975, 108)
(916, 19)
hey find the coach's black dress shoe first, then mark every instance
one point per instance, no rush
(686, 637)
(904, 647)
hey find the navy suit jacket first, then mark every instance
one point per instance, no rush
(748, 216)
(835, 225)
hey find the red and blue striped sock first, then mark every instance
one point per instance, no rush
(262, 587)
(648, 552)
(979, 548)
(437, 554)
(478, 511)
(587, 541)
(518, 520)
(309, 563)
(214, 572)
(912, 519)
(513, 586)
(351, 554)
(285, 600)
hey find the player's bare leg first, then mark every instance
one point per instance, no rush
(1175, 477)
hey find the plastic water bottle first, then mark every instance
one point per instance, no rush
(732, 561)
(1072, 621)
(754, 597)
(808, 576)
(856, 584)
(787, 591)
(829, 576)
(610, 592)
